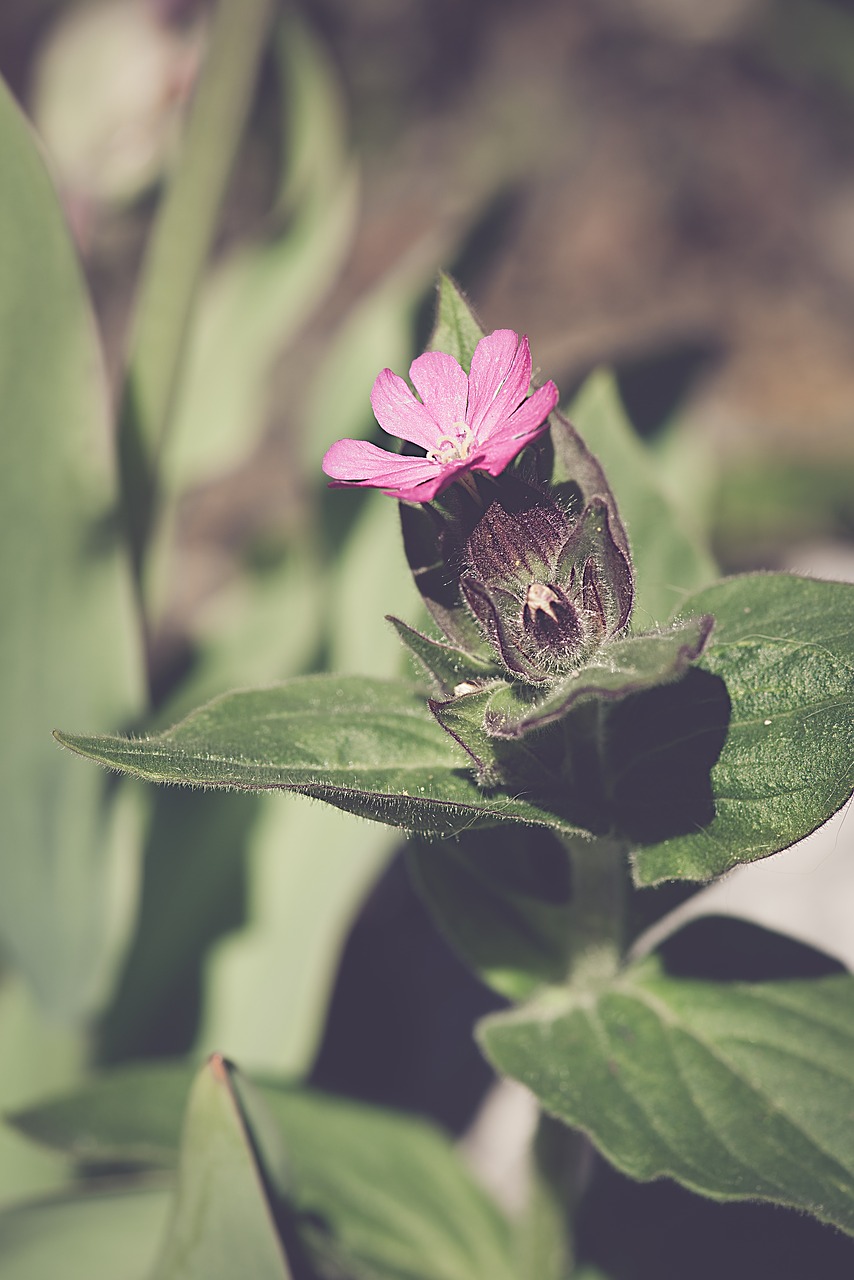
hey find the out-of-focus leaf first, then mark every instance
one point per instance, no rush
(737, 1091)
(501, 898)
(370, 580)
(265, 625)
(384, 1193)
(267, 987)
(669, 557)
(177, 252)
(37, 1059)
(397, 1199)
(94, 1236)
(368, 746)
(104, 97)
(377, 333)
(263, 294)
(68, 646)
(222, 1223)
(784, 646)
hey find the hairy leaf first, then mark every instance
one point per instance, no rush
(737, 1091)
(368, 746)
(784, 646)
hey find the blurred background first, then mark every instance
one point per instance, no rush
(662, 186)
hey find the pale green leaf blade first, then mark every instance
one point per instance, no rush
(737, 1091)
(178, 249)
(669, 557)
(222, 1223)
(368, 746)
(396, 1196)
(38, 1058)
(68, 643)
(401, 1203)
(784, 646)
(263, 294)
(105, 1236)
(309, 867)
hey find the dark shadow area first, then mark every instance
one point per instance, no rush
(658, 1231)
(653, 387)
(639, 767)
(527, 861)
(398, 1032)
(726, 949)
(661, 746)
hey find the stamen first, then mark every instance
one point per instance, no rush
(453, 448)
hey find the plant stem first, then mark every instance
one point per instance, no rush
(597, 915)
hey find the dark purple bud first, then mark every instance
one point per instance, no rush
(545, 588)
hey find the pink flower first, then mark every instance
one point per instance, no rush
(478, 422)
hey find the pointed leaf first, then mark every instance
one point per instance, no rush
(736, 1091)
(669, 558)
(386, 1194)
(449, 666)
(222, 1223)
(68, 642)
(784, 646)
(368, 746)
(457, 330)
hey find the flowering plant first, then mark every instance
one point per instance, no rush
(590, 728)
(549, 726)
(465, 422)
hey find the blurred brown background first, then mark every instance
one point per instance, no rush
(663, 185)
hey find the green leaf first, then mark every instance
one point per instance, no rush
(368, 746)
(263, 294)
(501, 899)
(92, 1236)
(68, 643)
(394, 1196)
(309, 869)
(449, 666)
(457, 330)
(398, 1200)
(784, 646)
(736, 1091)
(369, 578)
(669, 557)
(222, 1222)
(621, 668)
(38, 1058)
(178, 250)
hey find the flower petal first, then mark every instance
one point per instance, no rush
(427, 490)
(533, 411)
(528, 423)
(443, 386)
(354, 462)
(499, 380)
(400, 414)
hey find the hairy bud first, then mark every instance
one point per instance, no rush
(546, 588)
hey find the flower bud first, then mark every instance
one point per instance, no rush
(547, 588)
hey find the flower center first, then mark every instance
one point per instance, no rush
(453, 447)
